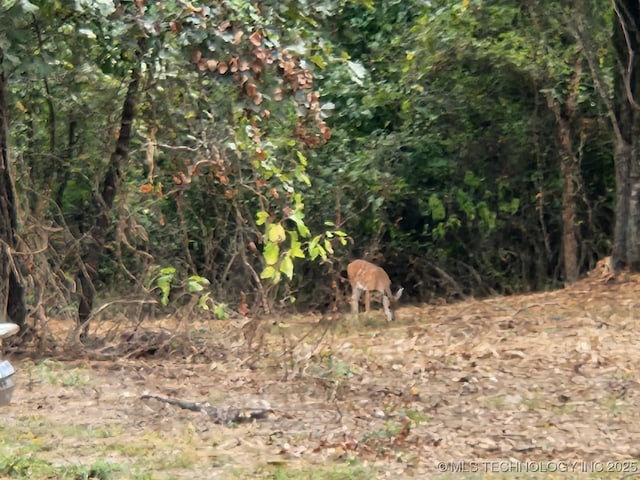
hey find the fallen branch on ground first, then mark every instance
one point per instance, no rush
(218, 415)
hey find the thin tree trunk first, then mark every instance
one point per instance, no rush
(12, 294)
(569, 237)
(622, 162)
(570, 169)
(103, 202)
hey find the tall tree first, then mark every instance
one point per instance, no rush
(626, 42)
(12, 294)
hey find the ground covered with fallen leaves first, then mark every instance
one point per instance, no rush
(542, 383)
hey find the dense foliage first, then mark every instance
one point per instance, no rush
(465, 145)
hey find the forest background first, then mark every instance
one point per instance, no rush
(232, 156)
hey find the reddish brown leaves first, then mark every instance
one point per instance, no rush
(261, 54)
(246, 71)
(181, 179)
(146, 188)
(260, 153)
(255, 38)
(252, 92)
(175, 27)
(212, 65)
(325, 131)
(251, 89)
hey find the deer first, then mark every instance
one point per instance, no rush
(367, 277)
(604, 270)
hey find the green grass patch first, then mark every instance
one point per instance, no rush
(30, 466)
(350, 471)
(56, 373)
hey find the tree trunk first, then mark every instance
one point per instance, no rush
(564, 114)
(12, 291)
(103, 202)
(622, 162)
(626, 42)
(569, 238)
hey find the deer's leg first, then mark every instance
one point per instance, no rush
(387, 308)
(367, 301)
(355, 299)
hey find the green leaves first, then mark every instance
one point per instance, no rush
(167, 277)
(164, 281)
(437, 207)
(286, 266)
(196, 283)
(275, 233)
(271, 253)
(26, 5)
(168, 282)
(279, 260)
(316, 249)
(271, 273)
(358, 72)
(104, 7)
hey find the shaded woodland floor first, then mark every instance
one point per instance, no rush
(524, 380)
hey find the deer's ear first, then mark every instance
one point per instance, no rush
(398, 293)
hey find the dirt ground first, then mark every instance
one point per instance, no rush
(537, 383)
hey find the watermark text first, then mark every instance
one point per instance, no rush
(508, 466)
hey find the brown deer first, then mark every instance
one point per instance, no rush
(366, 277)
(604, 270)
